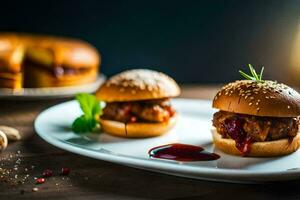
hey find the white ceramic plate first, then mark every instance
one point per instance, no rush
(193, 127)
(51, 92)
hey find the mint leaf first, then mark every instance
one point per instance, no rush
(91, 108)
(80, 124)
(87, 103)
(96, 110)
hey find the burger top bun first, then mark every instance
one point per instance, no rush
(265, 98)
(138, 84)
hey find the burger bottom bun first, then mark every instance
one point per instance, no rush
(258, 149)
(136, 130)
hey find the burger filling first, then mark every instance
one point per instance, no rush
(139, 111)
(246, 129)
(56, 70)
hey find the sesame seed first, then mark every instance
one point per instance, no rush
(288, 107)
(250, 104)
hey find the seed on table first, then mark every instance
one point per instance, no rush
(11, 133)
(3, 141)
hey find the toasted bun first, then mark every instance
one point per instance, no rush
(138, 84)
(47, 50)
(39, 77)
(11, 54)
(66, 52)
(258, 149)
(136, 130)
(11, 80)
(266, 98)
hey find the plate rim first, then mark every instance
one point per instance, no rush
(148, 164)
(51, 92)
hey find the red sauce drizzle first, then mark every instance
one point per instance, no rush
(236, 132)
(182, 152)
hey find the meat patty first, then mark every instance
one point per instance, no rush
(152, 111)
(258, 128)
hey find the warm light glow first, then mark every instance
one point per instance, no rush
(294, 69)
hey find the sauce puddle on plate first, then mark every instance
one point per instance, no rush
(182, 152)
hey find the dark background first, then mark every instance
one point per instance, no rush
(193, 41)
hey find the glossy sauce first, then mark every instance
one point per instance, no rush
(182, 152)
(236, 132)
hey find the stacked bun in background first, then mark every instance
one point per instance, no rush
(44, 61)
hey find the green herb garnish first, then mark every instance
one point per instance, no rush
(91, 109)
(254, 76)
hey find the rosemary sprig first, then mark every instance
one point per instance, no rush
(254, 76)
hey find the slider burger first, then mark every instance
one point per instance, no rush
(138, 103)
(256, 117)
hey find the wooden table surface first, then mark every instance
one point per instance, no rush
(24, 160)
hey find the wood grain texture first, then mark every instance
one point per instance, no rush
(94, 179)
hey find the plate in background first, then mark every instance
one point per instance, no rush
(51, 92)
(193, 127)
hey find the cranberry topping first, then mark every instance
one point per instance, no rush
(65, 171)
(139, 111)
(236, 132)
(47, 173)
(40, 181)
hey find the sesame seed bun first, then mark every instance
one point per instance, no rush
(258, 149)
(137, 129)
(267, 98)
(138, 84)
